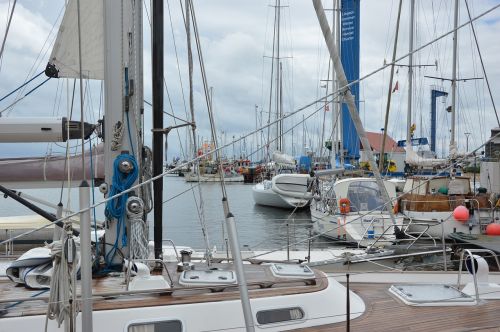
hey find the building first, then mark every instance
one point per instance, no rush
(391, 150)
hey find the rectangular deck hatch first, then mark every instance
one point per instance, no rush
(291, 271)
(431, 295)
(207, 278)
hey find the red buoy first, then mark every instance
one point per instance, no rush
(461, 213)
(493, 229)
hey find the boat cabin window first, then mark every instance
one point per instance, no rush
(365, 196)
(159, 326)
(279, 315)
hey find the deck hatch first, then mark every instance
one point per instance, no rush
(431, 295)
(207, 278)
(291, 271)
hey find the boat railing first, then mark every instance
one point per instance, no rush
(473, 266)
(420, 234)
(9, 246)
(174, 247)
(413, 237)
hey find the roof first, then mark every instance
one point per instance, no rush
(375, 140)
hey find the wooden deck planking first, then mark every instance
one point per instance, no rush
(383, 312)
(387, 314)
(261, 283)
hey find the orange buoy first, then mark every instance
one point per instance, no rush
(344, 205)
(395, 209)
(461, 213)
(493, 229)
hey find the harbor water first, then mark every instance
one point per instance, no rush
(258, 227)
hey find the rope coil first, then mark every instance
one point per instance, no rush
(115, 208)
(63, 280)
(138, 230)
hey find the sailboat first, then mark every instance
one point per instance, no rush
(185, 295)
(352, 210)
(443, 205)
(285, 189)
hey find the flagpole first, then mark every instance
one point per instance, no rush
(391, 91)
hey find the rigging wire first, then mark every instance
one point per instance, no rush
(7, 32)
(482, 63)
(217, 149)
(26, 95)
(22, 85)
(208, 100)
(110, 198)
(169, 114)
(276, 9)
(177, 57)
(41, 55)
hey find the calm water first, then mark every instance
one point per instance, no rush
(258, 227)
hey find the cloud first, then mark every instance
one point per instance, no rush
(236, 37)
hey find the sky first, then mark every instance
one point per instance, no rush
(236, 38)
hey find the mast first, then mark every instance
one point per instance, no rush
(453, 146)
(84, 202)
(280, 113)
(338, 104)
(123, 100)
(157, 84)
(351, 104)
(191, 95)
(278, 74)
(86, 257)
(410, 74)
(389, 93)
(334, 108)
(256, 137)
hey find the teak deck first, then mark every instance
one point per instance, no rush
(260, 281)
(383, 312)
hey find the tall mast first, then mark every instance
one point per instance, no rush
(453, 146)
(256, 137)
(157, 84)
(410, 74)
(278, 74)
(333, 138)
(190, 62)
(389, 92)
(303, 135)
(338, 108)
(123, 97)
(280, 113)
(84, 200)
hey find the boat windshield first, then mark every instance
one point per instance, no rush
(365, 196)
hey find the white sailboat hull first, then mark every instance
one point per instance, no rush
(325, 307)
(354, 228)
(191, 177)
(286, 191)
(351, 210)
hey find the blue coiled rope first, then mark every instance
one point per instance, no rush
(116, 207)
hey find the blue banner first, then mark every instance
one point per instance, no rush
(414, 142)
(349, 50)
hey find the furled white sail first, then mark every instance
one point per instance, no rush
(414, 159)
(65, 56)
(283, 158)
